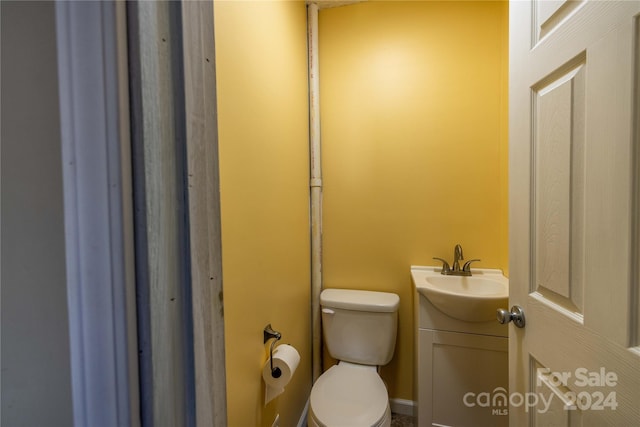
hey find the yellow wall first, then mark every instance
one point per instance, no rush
(414, 126)
(261, 65)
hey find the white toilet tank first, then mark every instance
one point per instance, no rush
(360, 326)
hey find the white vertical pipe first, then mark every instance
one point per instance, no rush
(316, 189)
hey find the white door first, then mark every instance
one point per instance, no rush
(574, 212)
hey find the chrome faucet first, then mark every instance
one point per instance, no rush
(456, 270)
(457, 256)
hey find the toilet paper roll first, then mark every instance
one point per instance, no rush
(285, 358)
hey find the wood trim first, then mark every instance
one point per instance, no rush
(97, 218)
(204, 212)
(634, 299)
(161, 220)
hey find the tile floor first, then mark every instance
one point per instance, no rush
(398, 420)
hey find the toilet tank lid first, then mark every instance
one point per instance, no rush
(350, 299)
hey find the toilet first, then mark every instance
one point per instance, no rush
(359, 329)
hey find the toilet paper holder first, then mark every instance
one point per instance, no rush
(268, 334)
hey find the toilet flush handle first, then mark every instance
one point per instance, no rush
(328, 311)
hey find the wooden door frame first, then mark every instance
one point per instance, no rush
(95, 64)
(175, 130)
(203, 186)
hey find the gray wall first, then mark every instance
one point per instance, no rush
(35, 377)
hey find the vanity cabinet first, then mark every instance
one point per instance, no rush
(462, 369)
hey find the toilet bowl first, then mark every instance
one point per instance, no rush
(359, 329)
(349, 395)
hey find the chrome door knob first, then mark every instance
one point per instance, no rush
(516, 315)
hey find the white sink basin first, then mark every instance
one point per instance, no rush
(473, 298)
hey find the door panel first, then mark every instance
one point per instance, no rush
(557, 398)
(573, 212)
(608, 204)
(549, 14)
(558, 180)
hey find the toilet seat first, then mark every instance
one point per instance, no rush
(350, 395)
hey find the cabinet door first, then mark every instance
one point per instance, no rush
(463, 379)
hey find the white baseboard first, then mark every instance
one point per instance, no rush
(302, 422)
(402, 406)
